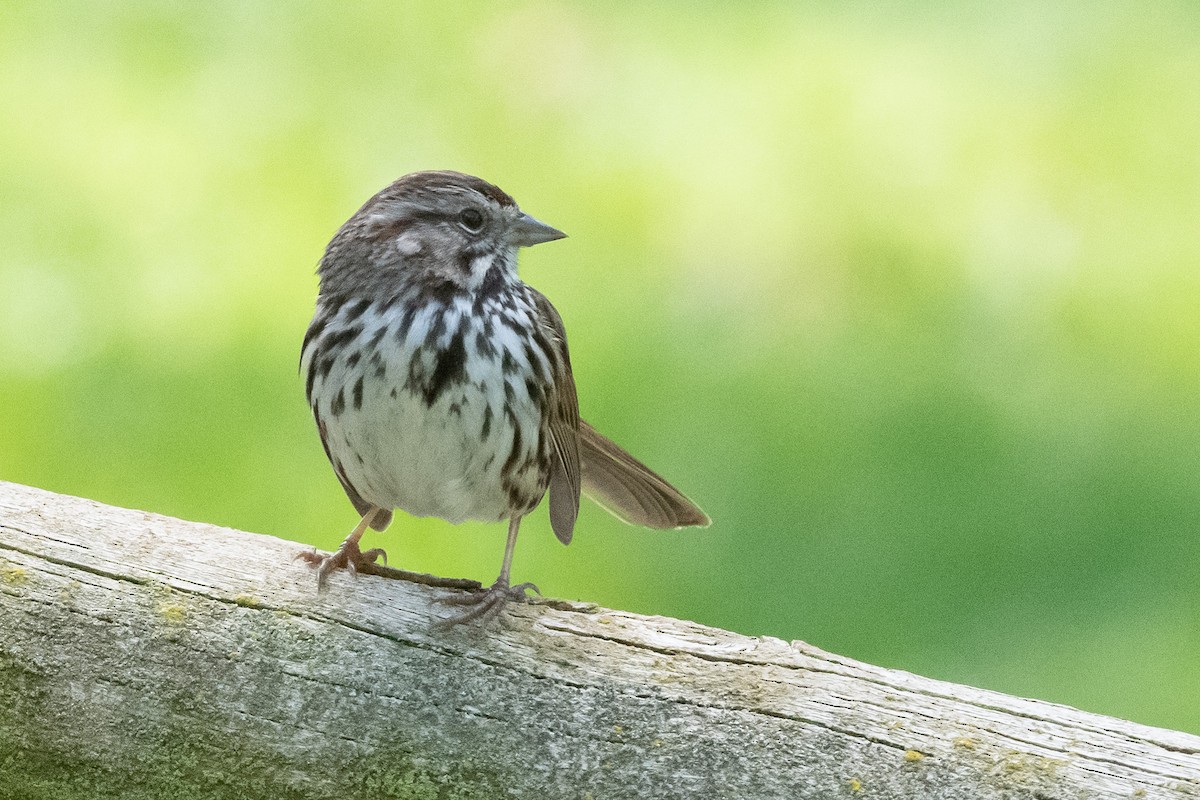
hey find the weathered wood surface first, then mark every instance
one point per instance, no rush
(144, 656)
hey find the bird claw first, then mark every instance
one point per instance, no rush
(485, 605)
(348, 557)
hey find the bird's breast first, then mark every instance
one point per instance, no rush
(437, 409)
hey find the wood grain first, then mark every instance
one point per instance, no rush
(145, 656)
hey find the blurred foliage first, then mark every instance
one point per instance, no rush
(905, 295)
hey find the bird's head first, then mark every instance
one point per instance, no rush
(431, 231)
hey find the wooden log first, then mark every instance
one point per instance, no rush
(147, 657)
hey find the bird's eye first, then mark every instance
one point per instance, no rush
(471, 219)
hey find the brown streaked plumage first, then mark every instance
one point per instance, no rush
(441, 383)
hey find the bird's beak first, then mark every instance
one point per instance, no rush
(527, 231)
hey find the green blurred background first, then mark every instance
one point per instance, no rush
(904, 294)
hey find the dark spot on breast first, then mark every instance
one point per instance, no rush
(353, 310)
(405, 324)
(537, 364)
(352, 359)
(336, 340)
(321, 431)
(544, 346)
(308, 383)
(314, 330)
(358, 392)
(450, 369)
(416, 371)
(510, 319)
(338, 405)
(516, 498)
(326, 365)
(487, 421)
(483, 345)
(437, 328)
(511, 462)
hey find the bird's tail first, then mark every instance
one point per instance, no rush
(628, 489)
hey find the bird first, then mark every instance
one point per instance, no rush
(441, 383)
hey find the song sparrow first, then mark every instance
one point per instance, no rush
(441, 385)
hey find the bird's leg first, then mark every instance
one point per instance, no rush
(490, 602)
(348, 555)
(351, 558)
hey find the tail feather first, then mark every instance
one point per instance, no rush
(628, 489)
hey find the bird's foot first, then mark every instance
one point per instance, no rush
(487, 604)
(348, 557)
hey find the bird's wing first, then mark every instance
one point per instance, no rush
(562, 422)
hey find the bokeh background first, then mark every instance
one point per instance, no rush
(905, 294)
